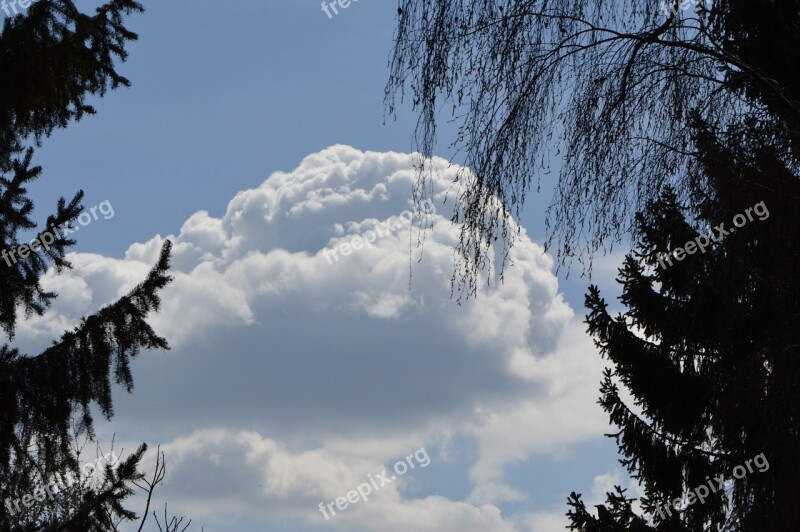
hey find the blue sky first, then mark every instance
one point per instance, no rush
(267, 337)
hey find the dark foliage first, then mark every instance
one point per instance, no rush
(666, 119)
(708, 346)
(602, 89)
(53, 57)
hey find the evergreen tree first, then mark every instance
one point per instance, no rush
(708, 347)
(673, 118)
(53, 57)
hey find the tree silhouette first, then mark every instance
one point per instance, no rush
(708, 348)
(52, 57)
(604, 89)
(667, 120)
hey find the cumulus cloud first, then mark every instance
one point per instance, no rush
(292, 376)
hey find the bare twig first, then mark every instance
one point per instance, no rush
(150, 485)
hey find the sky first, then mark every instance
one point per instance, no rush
(315, 344)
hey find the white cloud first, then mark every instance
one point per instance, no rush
(545, 521)
(290, 378)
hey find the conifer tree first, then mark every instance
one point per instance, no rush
(53, 56)
(669, 118)
(709, 348)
